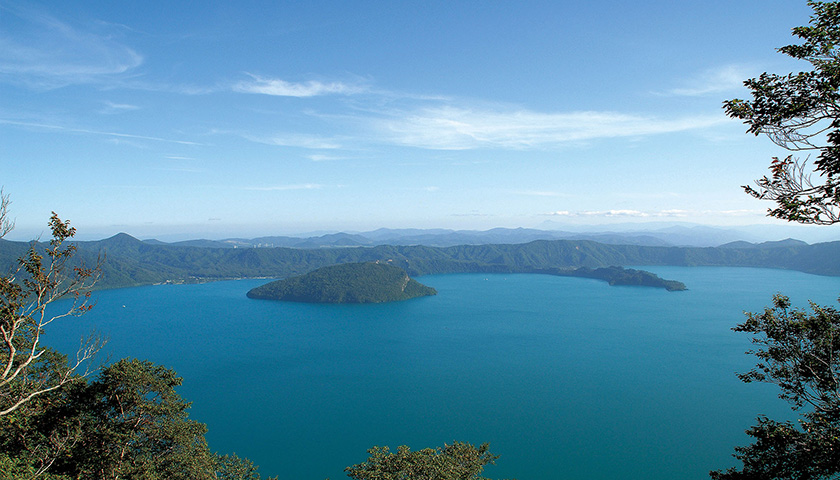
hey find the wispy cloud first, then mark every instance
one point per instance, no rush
(283, 88)
(472, 214)
(297, 140)
(37, 49)
(181, 89)
(667, 213)
(325, 158)
(621, 213)
(112, 108)
(116, 135)
(723, 79)
(540, 193)
(456, 128)
(183, 169)
(739, 213)
(280, 188)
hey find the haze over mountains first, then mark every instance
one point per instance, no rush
(677, 235)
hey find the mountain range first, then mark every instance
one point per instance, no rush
(687, 235)
(130, 261)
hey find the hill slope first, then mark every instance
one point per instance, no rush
(130, 262)
(369, 282)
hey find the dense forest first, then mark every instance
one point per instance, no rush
(132, 262)
(369, 282)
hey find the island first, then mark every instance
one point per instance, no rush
(621, 276)
(368, 282)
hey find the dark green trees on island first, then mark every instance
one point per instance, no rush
(370, 282)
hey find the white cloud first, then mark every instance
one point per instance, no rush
(454, 128)
(667, 213)
(738, 213)
(723, 79)
(672, 213)
(111, 108)
(325, 158)
(615, 213)
(282, 88)
(540, 193)
(39, 50)
(297, 140)
(280, 188)
(183, 169)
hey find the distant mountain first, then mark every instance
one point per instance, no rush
(334, 240)
(648, 235)
(696, 235)
(200, 243)
(370, 282)
(449, 238)
(132, 262)
(790, 242)
(738, 244)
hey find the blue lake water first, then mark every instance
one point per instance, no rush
(567, 378)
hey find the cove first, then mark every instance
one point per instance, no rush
(567, 378)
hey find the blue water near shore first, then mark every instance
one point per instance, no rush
(567, 378)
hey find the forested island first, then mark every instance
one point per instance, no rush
(369, 282)
(618, 276)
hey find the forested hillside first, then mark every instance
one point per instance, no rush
(369, 282)
(132, 262)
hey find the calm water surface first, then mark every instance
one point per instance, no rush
(567, 378)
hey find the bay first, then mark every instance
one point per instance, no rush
(567, 378)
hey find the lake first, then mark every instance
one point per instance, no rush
(567, 378)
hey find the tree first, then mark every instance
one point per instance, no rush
(798, 351)
(135, 426)
(6, 225)
(232, 467)
(25, 295)
(55, 424)
(801, 112)
(128, 423)
(458, 461)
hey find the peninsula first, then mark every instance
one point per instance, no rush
(368, 282)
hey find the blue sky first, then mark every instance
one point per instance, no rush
(219, 119)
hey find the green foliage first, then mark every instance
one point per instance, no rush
(42, 276)
(55, 424)
(128, 423)
(232, 467)
(797, 350)
(800, 353)
(801, 111)
(132, 262)
(619, 276)
(136, 426)
(346, 283)
(459, 461)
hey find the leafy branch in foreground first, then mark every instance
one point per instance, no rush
(800, 353)
(458, 461)
(797, 198)
(801, 112)
(39, 280)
